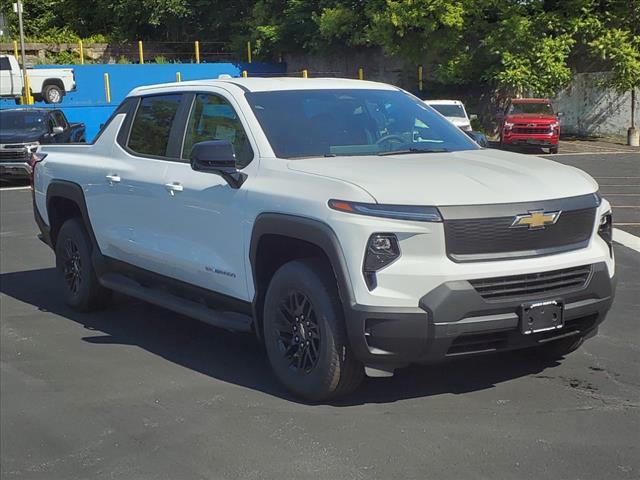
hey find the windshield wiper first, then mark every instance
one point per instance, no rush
(406, 151)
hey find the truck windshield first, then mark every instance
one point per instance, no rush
(530, 108)
(23, 120)
(449, 109)
(310, 123)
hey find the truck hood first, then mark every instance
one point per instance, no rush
(531, 117)
(20, 136)
(468, 177)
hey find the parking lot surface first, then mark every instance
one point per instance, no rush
(137, 392)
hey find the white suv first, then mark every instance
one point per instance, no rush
(346, 224)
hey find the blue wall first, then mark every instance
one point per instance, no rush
(88, 104)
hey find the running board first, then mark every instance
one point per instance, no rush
(217, 318)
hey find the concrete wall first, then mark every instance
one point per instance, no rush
(590, 109)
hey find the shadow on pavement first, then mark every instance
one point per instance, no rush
(239, 359)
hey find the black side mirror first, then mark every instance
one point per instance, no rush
(478, 137)
(217, 157)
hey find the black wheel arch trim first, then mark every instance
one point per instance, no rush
(73, 192)
(309, 230)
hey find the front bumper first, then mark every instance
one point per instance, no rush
(15, 169)
(532, 140)
(454, 320)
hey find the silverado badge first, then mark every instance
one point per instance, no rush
(535, 219)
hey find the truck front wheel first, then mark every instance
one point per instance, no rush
(305, 335)
(52, 94)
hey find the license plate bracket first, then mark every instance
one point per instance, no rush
(541, 316)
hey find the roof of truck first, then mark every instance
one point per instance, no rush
(257, 84)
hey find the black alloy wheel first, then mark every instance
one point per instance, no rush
(72, 266)
(298, 333)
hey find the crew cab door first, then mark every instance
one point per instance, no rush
(127, 201)
(205, 215)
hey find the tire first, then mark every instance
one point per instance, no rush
(559, 348)
(82, 291)
(52, 94)
(553, 150)
(325, 367)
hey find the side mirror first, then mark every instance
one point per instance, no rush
(217, 157)
(57, 130)
(473, 116)
(479, 137)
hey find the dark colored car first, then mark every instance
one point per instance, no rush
(22, 130)
(530, 122)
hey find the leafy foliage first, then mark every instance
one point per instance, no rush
(518, 46)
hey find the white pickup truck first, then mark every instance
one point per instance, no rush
(48, 84)
(345, 223)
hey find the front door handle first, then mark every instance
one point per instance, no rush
(113, 179)
(173, 188)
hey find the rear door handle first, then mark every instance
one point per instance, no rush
(113, 179)
(173, 188)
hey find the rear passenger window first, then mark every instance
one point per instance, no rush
(213, 118)
(152, 124)
(4, 63)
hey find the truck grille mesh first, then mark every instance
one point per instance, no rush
(492, 238)
(13, 154)
(533, 284)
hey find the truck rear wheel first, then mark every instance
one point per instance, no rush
(52, 94)
(305, 335)
(82, 291)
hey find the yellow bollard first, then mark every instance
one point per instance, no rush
(81, 51)
(245, 74)
(249, 51)
(420, 83)
(178, 77)
(140, 52)
(27, 98)
(15, 49)
(360, 73)
(107, 88)
(305, 73)
(197, 47)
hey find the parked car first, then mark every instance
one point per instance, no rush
(454, 111)
(348, 227)
(48, 84)
(530, 122)
(22, 130)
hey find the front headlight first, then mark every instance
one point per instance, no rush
(32, 147)
(397, 212)
(605, 229)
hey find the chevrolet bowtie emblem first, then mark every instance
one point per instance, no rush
(535, 219)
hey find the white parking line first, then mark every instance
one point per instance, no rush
(589, 153)
(626, 239)
(14, 188)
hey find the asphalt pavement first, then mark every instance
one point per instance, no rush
(137, 392)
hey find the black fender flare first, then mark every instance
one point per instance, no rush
(73, 192)
(309, 230)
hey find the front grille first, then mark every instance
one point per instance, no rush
(492, 238)
(13, 154)
(551, 283)
(537, 130)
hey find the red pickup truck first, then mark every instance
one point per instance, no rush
(530, 122)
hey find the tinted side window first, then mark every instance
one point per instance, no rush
(152, 124)
(213, 118)
(60, 119)
(4, 64)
